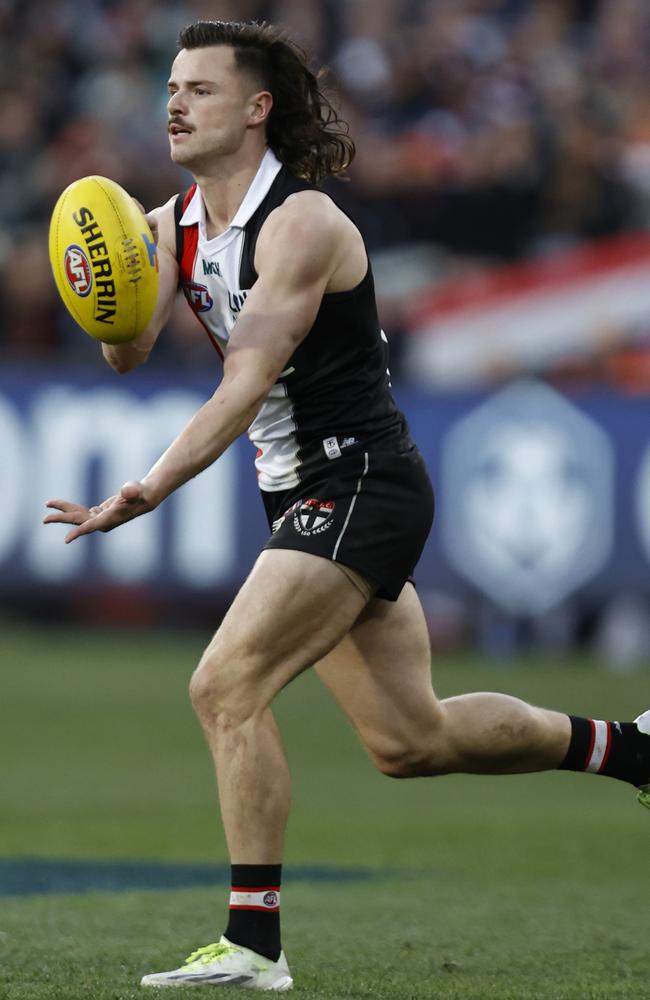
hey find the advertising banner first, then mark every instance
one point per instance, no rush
(539, 496)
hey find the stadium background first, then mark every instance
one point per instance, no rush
(502, 183)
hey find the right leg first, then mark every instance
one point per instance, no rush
(291, 611)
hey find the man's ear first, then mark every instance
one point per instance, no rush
(260, 107)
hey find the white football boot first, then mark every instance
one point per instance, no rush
(643, 725)
(226, 964)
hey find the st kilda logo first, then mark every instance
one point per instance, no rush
(77, 270)
(312, 517)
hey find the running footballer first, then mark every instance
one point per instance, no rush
(280, 279)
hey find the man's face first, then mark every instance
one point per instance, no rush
(210, 105)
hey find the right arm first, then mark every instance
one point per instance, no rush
(123, 357)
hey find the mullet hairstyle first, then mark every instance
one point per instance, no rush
(303, 128)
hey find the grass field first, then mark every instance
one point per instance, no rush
(486, 887)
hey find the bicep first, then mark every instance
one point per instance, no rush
(274, 320)
(295, 260)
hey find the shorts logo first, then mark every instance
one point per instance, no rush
(198, 296)
(270, 898)
(77, 271)
(312, 517)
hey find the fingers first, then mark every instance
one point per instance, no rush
(70, 513)
(151, 218)
(86, 528)
(124, 506)
(63, 505)
(98, 519)
(71, 518)
(152, 222)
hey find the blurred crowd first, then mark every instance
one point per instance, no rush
(487, 130)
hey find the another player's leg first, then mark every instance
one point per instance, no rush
(293, 609)
(381, 675)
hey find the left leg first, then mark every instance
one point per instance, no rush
(380, 674)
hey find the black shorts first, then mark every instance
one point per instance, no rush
(371, 511)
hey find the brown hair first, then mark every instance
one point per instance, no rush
(303, 129)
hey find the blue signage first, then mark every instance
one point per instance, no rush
(539, 496)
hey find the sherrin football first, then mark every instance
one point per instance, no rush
(104, 259)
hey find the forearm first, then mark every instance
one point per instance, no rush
(123, 357)
(211, 430)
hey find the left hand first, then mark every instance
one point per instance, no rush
(132, 501)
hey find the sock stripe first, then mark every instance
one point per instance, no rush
(607, 749)
(255, 888)
(258, 909)
(264, 900)
(618, 750)
(601, 739)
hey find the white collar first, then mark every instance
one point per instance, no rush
(259, 187)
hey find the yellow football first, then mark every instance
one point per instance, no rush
(104, 259)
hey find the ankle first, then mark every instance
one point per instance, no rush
(254, 915)
(615, 749)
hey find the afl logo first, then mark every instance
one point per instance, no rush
(77, 271)
(270, 898)
(198, 296)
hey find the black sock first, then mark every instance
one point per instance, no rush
(255, 909)
(616, 749)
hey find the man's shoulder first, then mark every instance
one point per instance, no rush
(304, 213)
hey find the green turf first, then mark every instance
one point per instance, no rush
(526, 887)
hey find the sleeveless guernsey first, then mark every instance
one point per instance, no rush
(333, 398)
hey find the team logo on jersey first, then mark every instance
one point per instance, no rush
(312, 517)
(198, 296)
(77, 270)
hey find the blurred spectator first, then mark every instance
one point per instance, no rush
(488, 129)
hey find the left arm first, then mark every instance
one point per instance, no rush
(298, 250)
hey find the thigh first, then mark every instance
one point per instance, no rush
(291, 611)
(380, 674)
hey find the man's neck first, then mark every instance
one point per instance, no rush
(224, 190)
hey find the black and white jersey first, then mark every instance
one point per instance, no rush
(334, 395)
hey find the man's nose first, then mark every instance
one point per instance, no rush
(176, 103)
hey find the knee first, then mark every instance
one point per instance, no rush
(217, 695)
(408, 759)
(204, 689)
